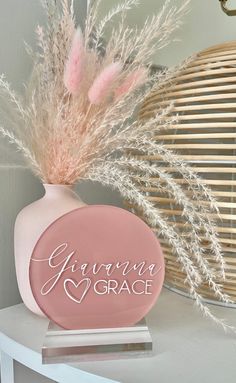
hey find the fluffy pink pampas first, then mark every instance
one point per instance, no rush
(103, 83)
(75, 64)
(134, 79)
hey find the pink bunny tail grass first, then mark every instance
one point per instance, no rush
(73, 74)
(134, 79)
(104, 82)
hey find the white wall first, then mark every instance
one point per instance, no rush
(205, 25)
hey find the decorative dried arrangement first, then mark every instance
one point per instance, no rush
(205, 100)
(76, 123)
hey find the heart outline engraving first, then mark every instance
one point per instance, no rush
(76, 285)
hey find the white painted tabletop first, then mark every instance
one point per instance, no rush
(188, 348)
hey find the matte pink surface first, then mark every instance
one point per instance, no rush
(30, 223)
(86, 284)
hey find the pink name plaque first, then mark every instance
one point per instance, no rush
(97, 267)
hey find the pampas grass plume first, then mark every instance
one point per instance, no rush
(73, 74)
(134, 79)
(104, 82)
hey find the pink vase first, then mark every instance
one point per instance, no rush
(30, 224)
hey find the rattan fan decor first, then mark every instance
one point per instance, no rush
(204, 96)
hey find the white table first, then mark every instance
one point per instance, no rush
(188, 348)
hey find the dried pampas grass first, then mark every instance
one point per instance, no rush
(74, 66)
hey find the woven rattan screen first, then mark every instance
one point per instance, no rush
(204, 96)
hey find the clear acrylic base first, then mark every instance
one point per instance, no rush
(69, 346)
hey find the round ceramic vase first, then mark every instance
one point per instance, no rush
(30, 223)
